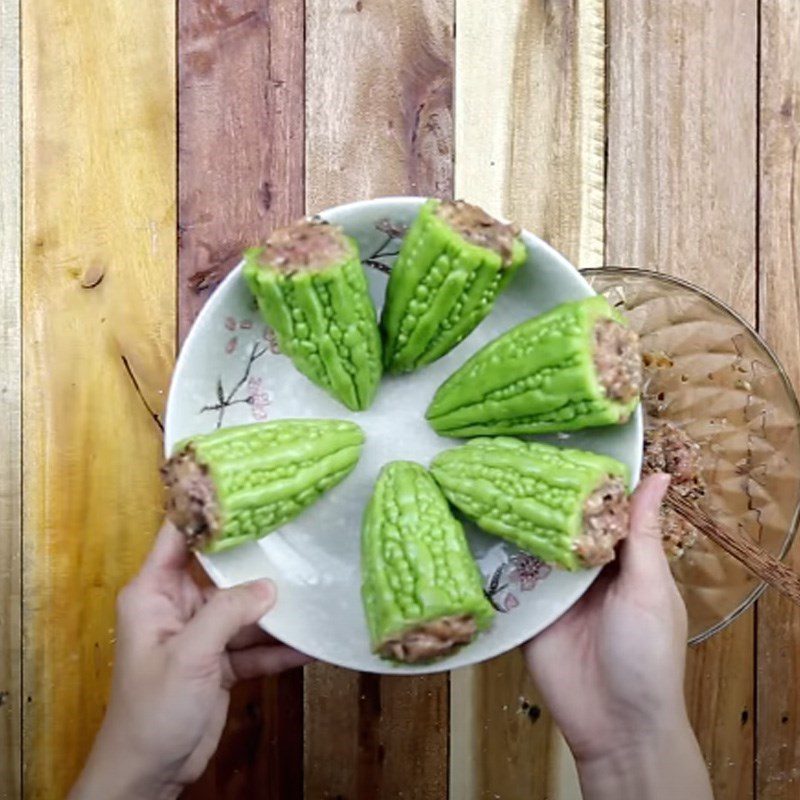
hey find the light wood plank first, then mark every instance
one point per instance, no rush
(10, 406)
(379, 99)
(681, 172)
(529, 146)
(530, 119)
(240, 145)
(379, 122)
(778, 675)
(99, 307)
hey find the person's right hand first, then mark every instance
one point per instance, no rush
(611, 672)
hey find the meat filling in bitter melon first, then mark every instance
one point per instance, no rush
(617, 360)
(192, 504)
(606, 518)
(431, 640)
(307, 244)
(477, 227)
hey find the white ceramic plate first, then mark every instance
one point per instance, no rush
(230, 372)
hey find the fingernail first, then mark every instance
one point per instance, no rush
(263, 590)
(663, 479)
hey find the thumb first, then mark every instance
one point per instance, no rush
(643, 553)
(221, 618)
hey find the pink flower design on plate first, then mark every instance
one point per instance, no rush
(245, 324)
(526, 571)
(522, 571)
(258, 398)
(230, 323)
(510, 602)
(272, 341)
(231, 345)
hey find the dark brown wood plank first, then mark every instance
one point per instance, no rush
(379, 122)
(241, 133)
(778, 621)
(680, 199)
(241, 150)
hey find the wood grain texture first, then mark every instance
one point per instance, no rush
(778, 621)
(98, 305)
(529, 145)
(10, 407)
(241, 134)
(682, 81)
(379, 122)
(379, 110)
(680, 181)
(530, 119)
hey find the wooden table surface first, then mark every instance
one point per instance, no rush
(158, 139)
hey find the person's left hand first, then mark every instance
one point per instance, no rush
(179, 651)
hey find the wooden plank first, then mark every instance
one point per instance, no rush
(529, 146)
(778, 621)
(379, 122)
(98, 304)
(241, 119)
(681, 170)
(10, 406)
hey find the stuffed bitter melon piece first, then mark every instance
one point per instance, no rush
(238, 484)
(454, 261)
(311, 289)
(576, 366)
(422, 591)
(568, 507)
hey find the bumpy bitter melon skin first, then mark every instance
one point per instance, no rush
(311, 289)
(238, 484)
(422, 591)
(534, 495)
(445, 281)
(540, 377)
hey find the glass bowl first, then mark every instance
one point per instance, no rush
(712, 375)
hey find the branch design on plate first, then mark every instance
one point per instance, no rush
(521, 572)
(394, 232)
(257, 397)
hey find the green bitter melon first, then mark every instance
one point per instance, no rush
(422, 591)
(238, 484)
(453, 263)
(576, 366)
(568, 507)
(311, 289)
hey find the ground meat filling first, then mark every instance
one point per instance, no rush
(606, 516)
(617, 360)
(677, 535)
(431, 640)
(669, 449)
(305, 245)
(191, 499)
(478, 228)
